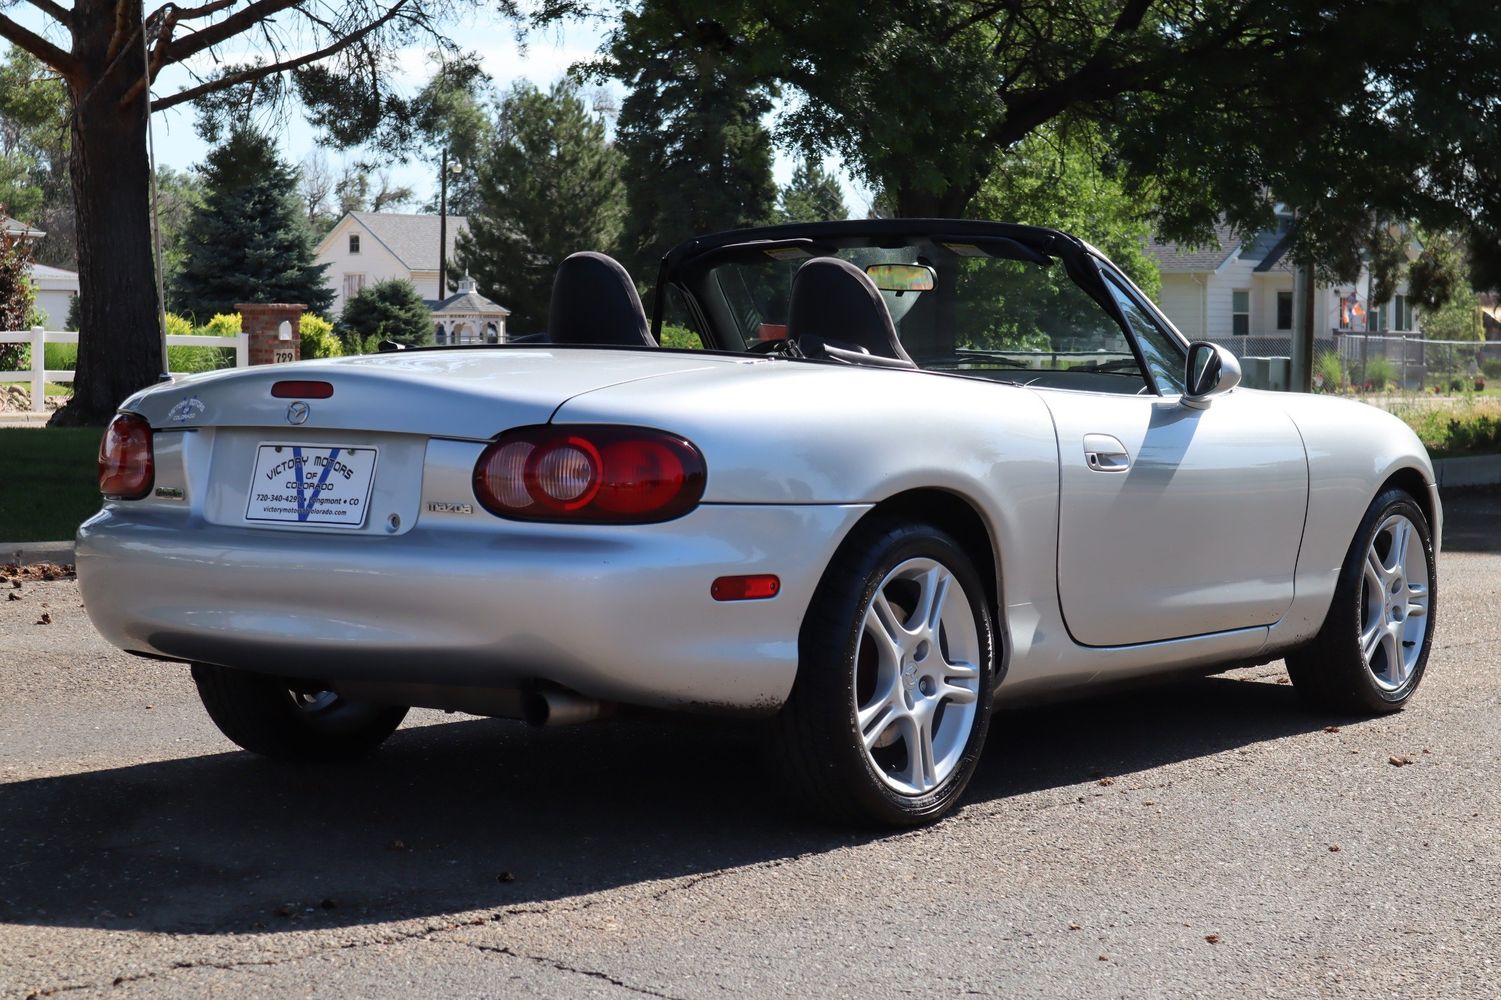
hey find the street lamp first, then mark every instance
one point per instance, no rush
(447, 168)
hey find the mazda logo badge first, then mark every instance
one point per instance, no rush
(298, 412)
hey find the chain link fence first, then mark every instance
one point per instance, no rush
(1376, 362)
(1414, 363)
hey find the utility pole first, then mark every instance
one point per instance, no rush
(1303, 348)
(443, 227)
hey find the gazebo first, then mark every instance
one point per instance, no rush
(467, 317)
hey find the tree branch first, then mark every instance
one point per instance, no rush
(64, 62)
(56, 11)
(261, 72)
(124, 31)
(206, 10)
(234, 24)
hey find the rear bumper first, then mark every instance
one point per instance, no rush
(619, 613)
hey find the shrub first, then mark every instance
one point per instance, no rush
(387, 310)
(1328, 372)
(222, 325)
(191, 360)
(1379, 373)
(680, 337)
(1470, 428)
(61, 357)
(1492, 369)
(318, 338)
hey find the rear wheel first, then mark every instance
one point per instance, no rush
(887, 717)
(281, 718)
(1373, 648)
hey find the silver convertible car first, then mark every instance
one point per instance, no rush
(888, 474)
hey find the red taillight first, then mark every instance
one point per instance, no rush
(126, 468)
(292, 388)
(596, 474)
(761, 587)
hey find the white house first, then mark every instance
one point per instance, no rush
(366, 247)
(54, 285)
(1238, 292)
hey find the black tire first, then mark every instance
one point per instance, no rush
(1331, 672)
(820, 749)
(277, 718)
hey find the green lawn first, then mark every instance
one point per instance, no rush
(50, 480)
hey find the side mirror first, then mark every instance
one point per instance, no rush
(1212, 371)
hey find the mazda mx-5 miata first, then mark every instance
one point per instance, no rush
(908, 470)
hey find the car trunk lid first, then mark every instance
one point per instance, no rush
(470, 394)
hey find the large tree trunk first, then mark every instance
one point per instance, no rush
(950, 203)
(119, 342)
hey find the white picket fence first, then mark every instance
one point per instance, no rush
(39, 374)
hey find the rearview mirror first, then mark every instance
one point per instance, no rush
(1211, 370)
(902, 277)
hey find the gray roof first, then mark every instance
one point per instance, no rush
(1175, 258)
(412, 238)
(16, 227)
(1268, 248)
(468, 302)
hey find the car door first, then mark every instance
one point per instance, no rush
(1173, 520)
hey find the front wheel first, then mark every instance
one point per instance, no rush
(280, 718)
(1373, 648)
(888, 714)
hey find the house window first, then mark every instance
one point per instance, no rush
(1378, 319)
(1284, 310)
(353, 285)
(1240, 312)
(1402, 308)
(354, 242)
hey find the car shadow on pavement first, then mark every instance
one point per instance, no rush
(484, 814)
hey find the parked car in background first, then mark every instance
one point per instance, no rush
(918, 468)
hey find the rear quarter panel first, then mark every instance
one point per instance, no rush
(804, 433)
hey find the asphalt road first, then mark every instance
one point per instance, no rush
(1204, 838)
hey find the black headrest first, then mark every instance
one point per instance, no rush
(836, 311)
(595, 302)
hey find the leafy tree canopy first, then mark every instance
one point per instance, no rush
(548, 187)
(1355, 112)
(34, 143)
(1052, 178)
(247, 241)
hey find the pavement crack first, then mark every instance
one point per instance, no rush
(565, 967)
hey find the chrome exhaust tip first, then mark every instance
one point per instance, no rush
(562, 708)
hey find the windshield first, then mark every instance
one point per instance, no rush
(992, 307)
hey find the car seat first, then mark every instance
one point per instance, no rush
(594, 301)
(836, 312)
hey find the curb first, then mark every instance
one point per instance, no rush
(1472, 470)
(26, 553)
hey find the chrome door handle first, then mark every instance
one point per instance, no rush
(1103, 453)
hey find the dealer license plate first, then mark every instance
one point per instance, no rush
(317, 484)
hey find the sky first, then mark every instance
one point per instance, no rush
(545, 59)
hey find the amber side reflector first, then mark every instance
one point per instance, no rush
(745, 588)
(301, 389)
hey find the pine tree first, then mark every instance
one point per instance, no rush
(813, 195)
(248, 241)
(387, 310)
(549, 186)
(697, 156)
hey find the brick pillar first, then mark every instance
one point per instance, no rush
(262, 323)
